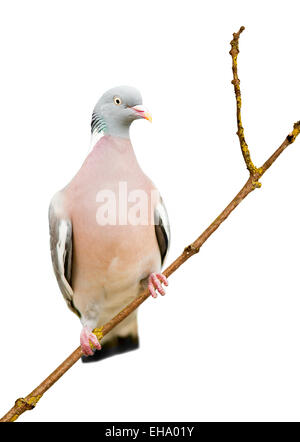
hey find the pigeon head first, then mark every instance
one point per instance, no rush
(116, 110)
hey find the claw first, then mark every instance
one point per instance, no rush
(88, 340)
(155, 283)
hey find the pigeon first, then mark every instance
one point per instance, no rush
(109, 229)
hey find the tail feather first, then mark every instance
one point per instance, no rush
(117, 345)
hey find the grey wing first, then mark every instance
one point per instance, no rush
(162, 229)
(61, 250)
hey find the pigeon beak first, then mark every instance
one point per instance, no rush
(142, 112)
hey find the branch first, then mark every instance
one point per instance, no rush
(236, 82)
(30, 401)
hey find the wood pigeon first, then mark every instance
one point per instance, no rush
(109, 229)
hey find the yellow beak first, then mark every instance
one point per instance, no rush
(142, 112)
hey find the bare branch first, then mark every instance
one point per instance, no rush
(236, 82)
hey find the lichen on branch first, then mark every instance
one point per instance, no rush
(236, 83)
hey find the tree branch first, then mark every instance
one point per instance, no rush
(236, 83)
(30, 401)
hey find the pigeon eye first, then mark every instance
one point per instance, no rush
(117, 101)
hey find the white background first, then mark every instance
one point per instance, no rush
(224, 343)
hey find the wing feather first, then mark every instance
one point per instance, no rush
(162, 229)
(61, 245)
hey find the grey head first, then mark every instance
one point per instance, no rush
(116, 110)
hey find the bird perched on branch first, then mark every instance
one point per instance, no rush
(109, 230)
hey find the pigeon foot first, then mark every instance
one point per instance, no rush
(155, 282)
(88, 340)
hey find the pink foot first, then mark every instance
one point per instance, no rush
(87, 337)
(155, 282)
